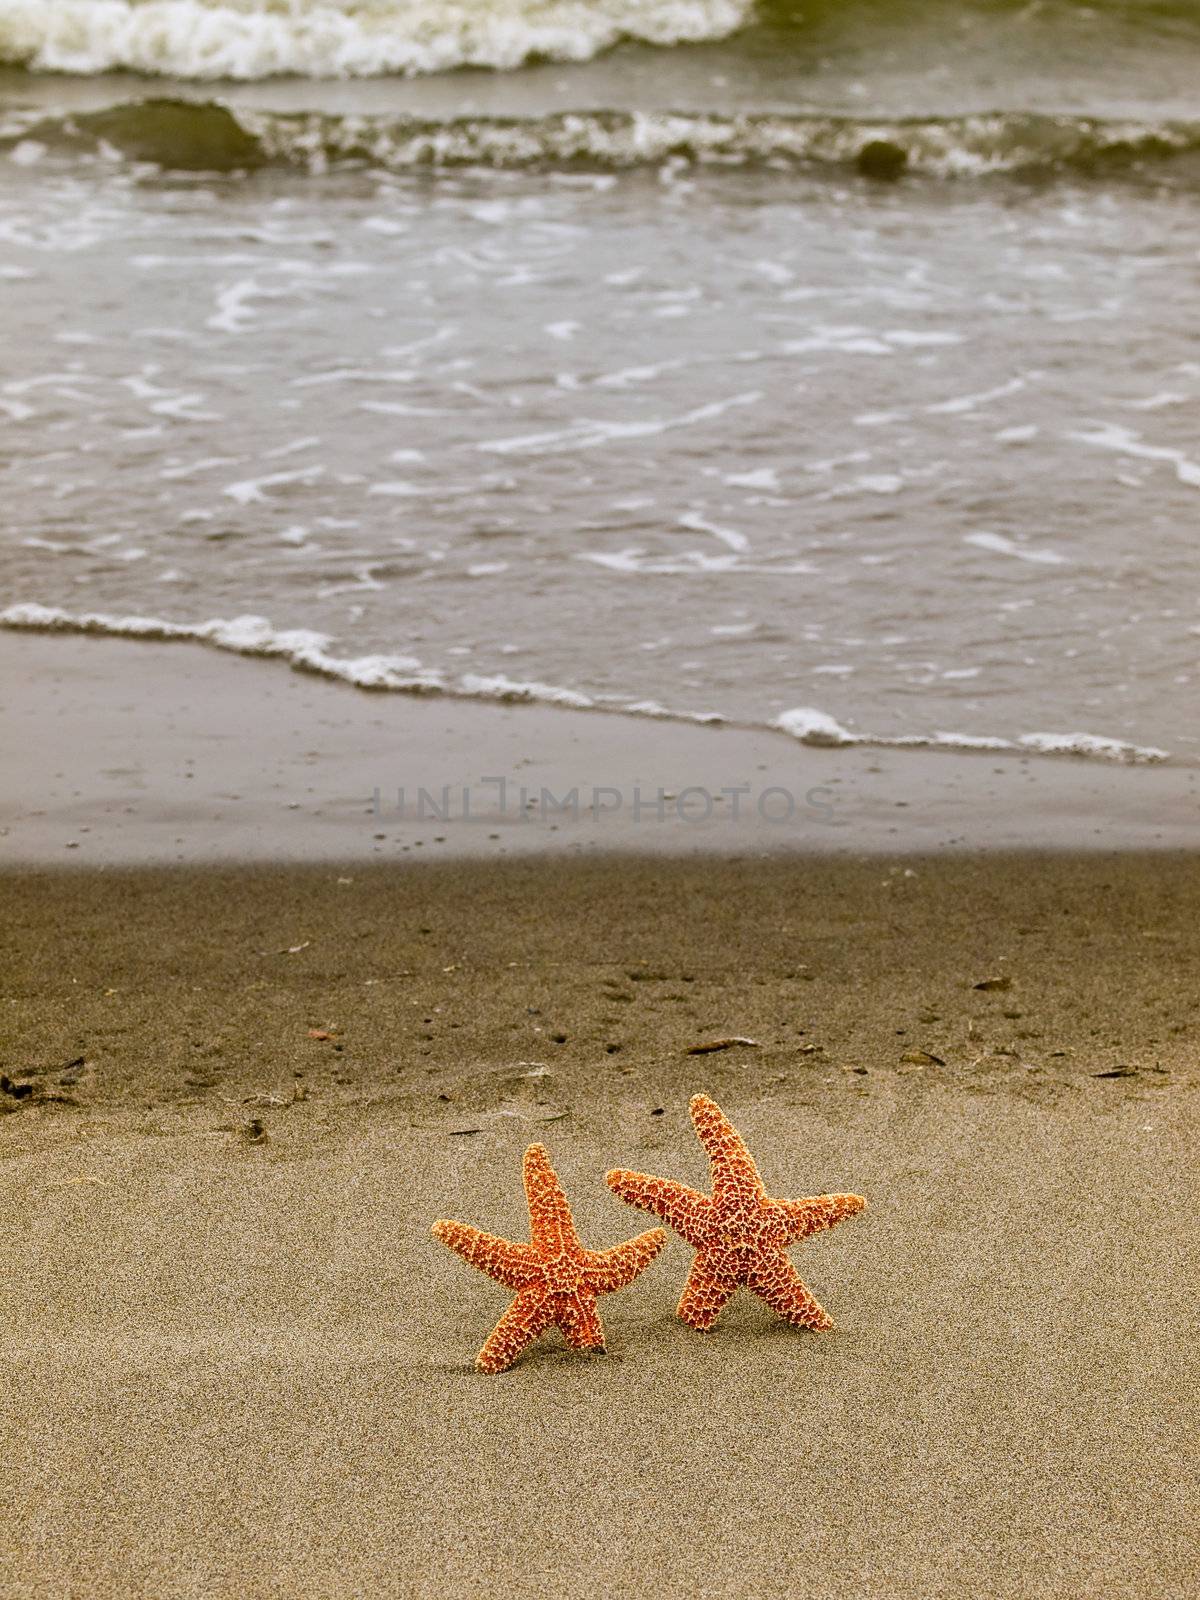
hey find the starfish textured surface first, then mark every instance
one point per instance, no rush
(555, 1279)
(739, 1233)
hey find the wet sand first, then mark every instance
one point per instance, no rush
(243, 1368)
(134, 752)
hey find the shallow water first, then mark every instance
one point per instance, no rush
(648, 407)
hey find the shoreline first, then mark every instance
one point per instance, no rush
(160, 752)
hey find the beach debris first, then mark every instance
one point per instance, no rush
(994, 985)
(740, 1234)
(295, 949)
(1117, 1072)
(710, 1045)
(77, 1063)
(555, 1279)
(16, 1091)
(253, 1131)
(922, 1058)
(321, 1033)
(544, 1113)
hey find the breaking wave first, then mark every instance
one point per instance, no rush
(819, 729)
(308, 651)
(253, 39)
(208, 136)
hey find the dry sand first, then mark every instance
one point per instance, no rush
(237, 1369)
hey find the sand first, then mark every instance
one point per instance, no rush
(244, 1369)
(133, 752)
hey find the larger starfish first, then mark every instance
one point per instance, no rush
(739, 1233)
(555, 1278)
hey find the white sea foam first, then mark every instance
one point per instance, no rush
(302, 648)
(813, 727)
(1109, 436)
(635, 559)
(1090, 744)
(250, 39)
(253, 490)
(587, 434)
(307, 651)
(695, 523)
(498, 687)
(961, 404)
(211, 136)
(1001, 545)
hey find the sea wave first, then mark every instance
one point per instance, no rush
(253, 39)
(209, 136)
(308, 651)
(813, 727)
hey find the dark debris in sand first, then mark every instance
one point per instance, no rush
(472, 992)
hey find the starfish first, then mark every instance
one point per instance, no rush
(556, 1280)
(739, 1233)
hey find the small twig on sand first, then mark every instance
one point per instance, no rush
(720, 1044)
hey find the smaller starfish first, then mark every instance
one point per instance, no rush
(739, 1234)
(555, 1278)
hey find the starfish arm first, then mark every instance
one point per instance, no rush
(551, 1226)
(803, 1217)
(706, 1292)
(734, 1174)
(776, 1281)
(686, 1210)
(514, 1265)
(531, 1313)
(577, 1316)
(611, 1269)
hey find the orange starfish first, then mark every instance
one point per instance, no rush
(739, 1234)
(555, 1278)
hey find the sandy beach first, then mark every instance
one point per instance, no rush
(560, 559)
(244, 1368)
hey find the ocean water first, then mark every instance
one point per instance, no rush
(817, 366)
